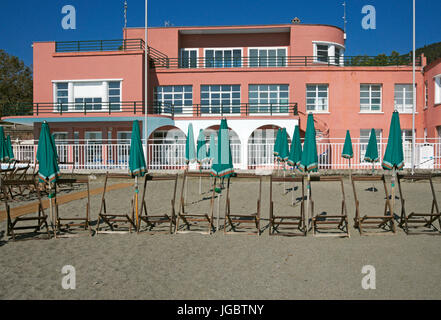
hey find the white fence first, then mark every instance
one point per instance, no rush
(170, 156)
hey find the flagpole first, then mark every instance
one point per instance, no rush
(146, 86)
(414, 93)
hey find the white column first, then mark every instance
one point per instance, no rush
(70, 96)
(105, 95)
(331, 54)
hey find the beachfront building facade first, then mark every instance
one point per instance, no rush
(259, 77)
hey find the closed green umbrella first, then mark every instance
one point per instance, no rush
(394, 157)
(190, 153)
(347, 152)
(137, 164)
(9, 147)
(283, 152)
(295, 154)
(309, 161)
(47, 157)
(212, 149)
(4, 154)
(223, 162)
(371, 154)
(201, 154)
(277, 143)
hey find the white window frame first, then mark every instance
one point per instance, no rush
(261, 106)
(317, 97)
(71, 98)
(426, 94)
(268, 48)
(173, 97)
(224, 49)
(211, 106)
(437, 87)
(370, 98)
(181, 59)
(403, 108)
(331, 52)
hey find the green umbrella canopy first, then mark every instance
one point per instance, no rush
(277, 142)
(283, 146)
(201, 147)
(393, 157)
(47, 156)
(309, 161)
(4, 154)
(137, 164)
(190, 152)
(9, 146)
(371, 154)
(295, 154)
(223, 163)
(347, 153)
(212, 150)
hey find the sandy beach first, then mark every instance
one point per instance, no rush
(218, 266)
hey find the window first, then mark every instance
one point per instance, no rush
(364, 140)
(93, 147)
(322, 53)
(370, 97)
(403, 98)
(437, 81)
(317, 97)
(337, 55)
(88, 104)
(115, 95)
(167, 98)
(426, 94)
(124, 137)
(223, 58)
(189, 58)
(267, 57)
(268, 98)
(215, 97)
(61, 98)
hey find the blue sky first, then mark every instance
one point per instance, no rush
(25, 21)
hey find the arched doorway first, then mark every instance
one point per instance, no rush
(166, 148)
(235, 143)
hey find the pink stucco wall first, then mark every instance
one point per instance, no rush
(432, 115)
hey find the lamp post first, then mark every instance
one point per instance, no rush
(146, 87)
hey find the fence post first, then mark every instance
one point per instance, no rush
(84, 106)
(37, 108)
(134, 107)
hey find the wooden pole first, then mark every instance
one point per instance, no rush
(136, 200)
(308, 188)
(51, 210)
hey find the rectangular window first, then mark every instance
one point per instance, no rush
(268, 98)
(172, 99)
(115, 95)
(322, 53)
(223, 58)
(317, 97)
(426, 94)
(437, 81)
(370, 97)
(62, 91)
(403, 98)
(267, 57)
(337, 56)
(88, 104)
(124, 137)
(189, 58)
(364, 140)
(216, 99)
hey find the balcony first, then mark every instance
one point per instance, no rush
(131, 108)
(164, 62)
(99, 45)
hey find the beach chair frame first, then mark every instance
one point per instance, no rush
(157, 219)
(81, 223)
(425, 219)
(19, 174)
(337, 222)
(112, 220)
(12, 223)
(373, 222)
(292, 222)
(186, 217)
(235, 220)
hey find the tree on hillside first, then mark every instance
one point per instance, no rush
(15, 85)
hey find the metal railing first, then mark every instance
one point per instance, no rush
(137, 107)
(284, 61)
(93, 156)
(99, 45)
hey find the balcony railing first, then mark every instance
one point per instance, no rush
(99, 45)
(137, 107)
(274, 62)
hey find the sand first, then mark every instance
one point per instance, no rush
(218, 266)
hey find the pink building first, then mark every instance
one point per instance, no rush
(259, 77)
